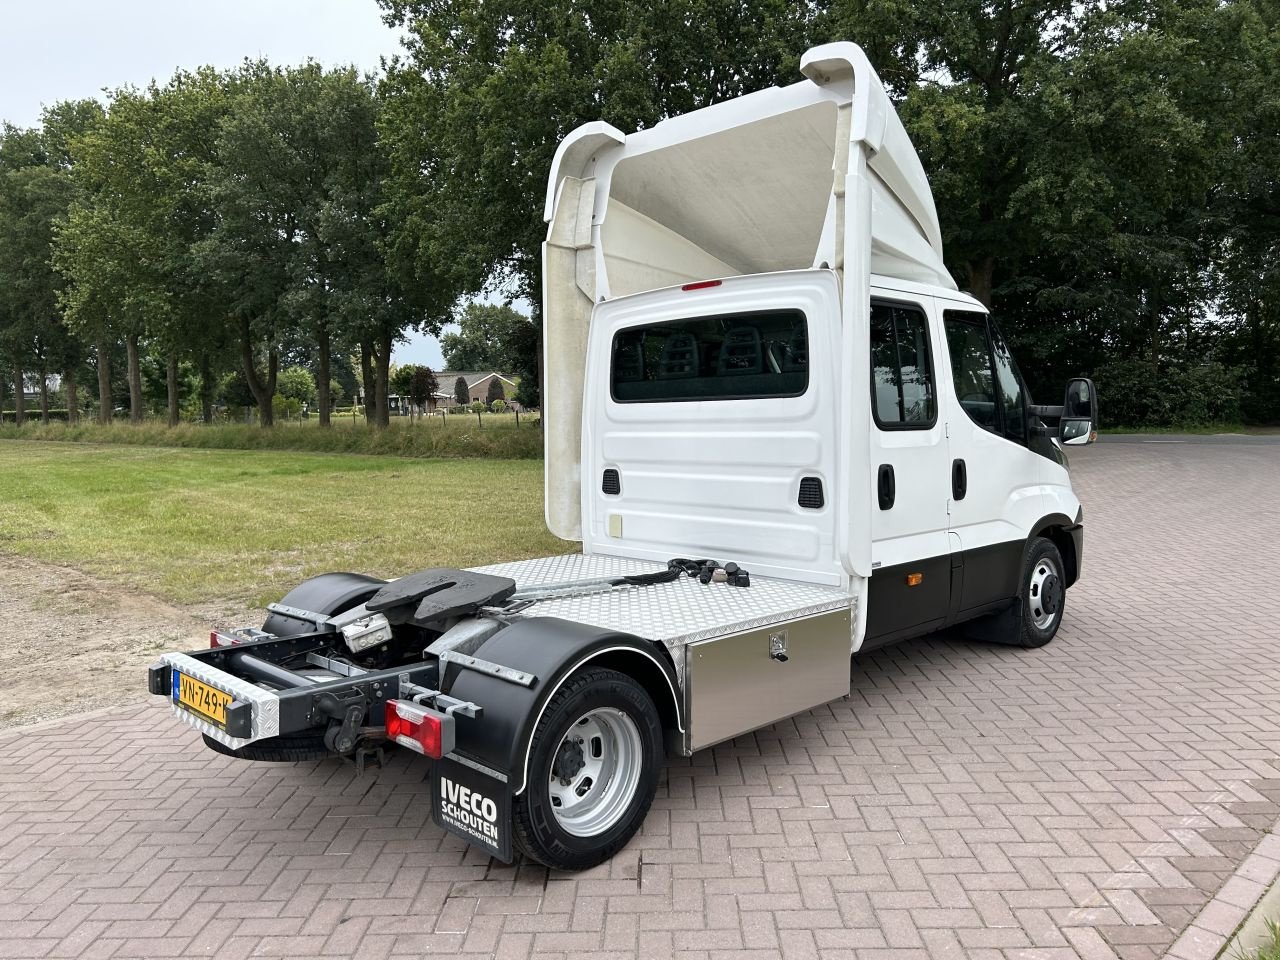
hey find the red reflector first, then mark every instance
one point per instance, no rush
(217, 639)
(415, 727)
(702, 285)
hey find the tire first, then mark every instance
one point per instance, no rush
(1042, 590)
(290, 748)
(573, 820)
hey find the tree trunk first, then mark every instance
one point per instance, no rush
(171, 381)
(263, 391)
(206, 389)
(981, 273)
(135, 378)
(73, 395)
(366, 376)
(104, 381)
(19, 397)
(1153, 300)
(44, 394)
(322, 388)
(383, 376)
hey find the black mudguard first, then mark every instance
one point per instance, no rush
(550, 649)
(329, 593)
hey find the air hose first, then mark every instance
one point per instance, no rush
(704, 571)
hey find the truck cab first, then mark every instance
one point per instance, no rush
(755, 350)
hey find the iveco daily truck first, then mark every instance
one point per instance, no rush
(781, 435)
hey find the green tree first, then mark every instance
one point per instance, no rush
(486, 91)
(36, 190)
(91, 249)
(297, 383)
(1247, 206)
(31, 194)
(1071, 149)
(495, 392)
(299, 243)
(401, 377)
(112, 248)
(422, 385)
(489, 337)
(460, 391)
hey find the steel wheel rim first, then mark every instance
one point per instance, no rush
(1044, 593)
(587, 800)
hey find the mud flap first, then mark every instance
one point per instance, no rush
(472, 805)
(1002, 627)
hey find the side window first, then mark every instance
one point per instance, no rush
(902, 395)
(971, 368)
(1012, 396)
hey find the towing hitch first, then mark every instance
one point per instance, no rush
(346, 717)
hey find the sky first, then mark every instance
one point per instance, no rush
(53, 50)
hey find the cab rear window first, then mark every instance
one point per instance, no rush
(737, 356)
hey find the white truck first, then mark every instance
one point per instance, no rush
(753, 353)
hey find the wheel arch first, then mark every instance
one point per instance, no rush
(552, 650)
(329, 593)
(1057, 528)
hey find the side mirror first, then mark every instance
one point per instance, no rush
(1079, 424)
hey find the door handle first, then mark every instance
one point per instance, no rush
(959, 479)
(885, 486)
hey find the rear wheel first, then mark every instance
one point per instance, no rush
(593, 771)
(1043, 592)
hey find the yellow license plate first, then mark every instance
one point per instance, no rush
(201, 699)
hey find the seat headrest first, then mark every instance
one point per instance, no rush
(679, 357)
(740, 354)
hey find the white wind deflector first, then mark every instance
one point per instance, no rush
(752, 185)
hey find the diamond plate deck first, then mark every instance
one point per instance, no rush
(683, 611)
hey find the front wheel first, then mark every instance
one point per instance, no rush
(593, 771)
(1043, 593)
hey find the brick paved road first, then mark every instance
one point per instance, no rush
(1086, 799)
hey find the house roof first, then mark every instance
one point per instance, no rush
(472, 377)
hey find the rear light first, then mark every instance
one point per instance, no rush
(217, 639)
(702, 285)
(420, 728)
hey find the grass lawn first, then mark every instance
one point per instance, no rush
(1270, 949)
(192, 525)
(492, 436)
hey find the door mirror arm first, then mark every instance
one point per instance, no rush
(1045, 411)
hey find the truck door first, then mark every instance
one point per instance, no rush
(910, 554)
(996, 494)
